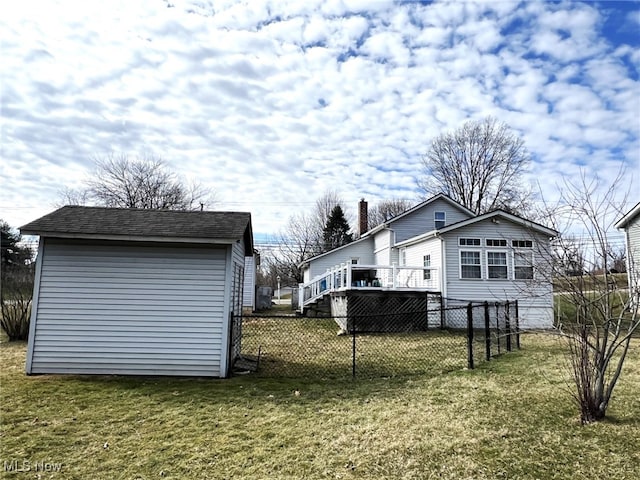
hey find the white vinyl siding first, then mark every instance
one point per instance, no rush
(249, 289)
(362, 249)
(423, 220)
(129, 309)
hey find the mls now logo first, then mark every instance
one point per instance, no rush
(28, 466)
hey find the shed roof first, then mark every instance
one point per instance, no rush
(144, 224)
(628, 217)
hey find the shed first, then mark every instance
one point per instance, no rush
(630, 223)
(137, 291)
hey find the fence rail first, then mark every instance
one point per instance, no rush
(377, 345)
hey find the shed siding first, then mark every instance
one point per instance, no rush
(633, 252)
(422, 220)
(128, 309)
(535, 297)
(362, 250)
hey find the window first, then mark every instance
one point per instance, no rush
(522, 243)
(470, 264)
(439, 218)
(469, 242)
(355, 261)
(497, 265)
(426, 262)
(523, 265)
(403, 257)
(496, 242)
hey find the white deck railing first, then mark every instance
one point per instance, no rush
(367, 277)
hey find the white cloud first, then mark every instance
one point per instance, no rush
(271, 103)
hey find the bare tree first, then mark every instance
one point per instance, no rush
(596, 317)
(480, 165)
(387, 209)
(297, 242)
(16, 286)
(137, 182)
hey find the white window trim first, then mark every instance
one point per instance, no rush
(479, 250)
(426, 273)
(355, 260)
(506, 259)
(435, 220)
(470, 247)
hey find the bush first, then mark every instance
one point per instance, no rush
(15, 297)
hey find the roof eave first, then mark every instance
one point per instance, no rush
(131, 238)
(628, 217)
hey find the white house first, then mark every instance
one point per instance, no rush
(142, 292)
(630, 223)
(440, 246)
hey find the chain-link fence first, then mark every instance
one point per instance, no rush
(374, 345)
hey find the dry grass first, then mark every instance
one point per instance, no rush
(511, 418)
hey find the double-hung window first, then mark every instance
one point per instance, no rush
(402, 257)
(522, 259)
(439, 219)
(470, 266)
(497, 265)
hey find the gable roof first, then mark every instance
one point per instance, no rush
(440, 196)
(144, 224)
(628, 217)
(470, 221)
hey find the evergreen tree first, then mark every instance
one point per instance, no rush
(336, 231)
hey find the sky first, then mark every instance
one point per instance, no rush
(273, 103)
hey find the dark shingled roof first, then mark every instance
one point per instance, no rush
(96, 222)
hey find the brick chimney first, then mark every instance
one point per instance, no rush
(363, 217)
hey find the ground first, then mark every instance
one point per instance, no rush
(510, 418)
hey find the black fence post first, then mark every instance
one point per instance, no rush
(353, 348)
(487, 332)
(470, 336)
(498, 325)
(442, 312)
(517, 327)
(507, 326)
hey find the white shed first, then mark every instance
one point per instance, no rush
(630, 223)
(139, 292)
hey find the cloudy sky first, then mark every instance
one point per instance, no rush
(272, 103)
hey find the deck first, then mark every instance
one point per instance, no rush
(347, 277)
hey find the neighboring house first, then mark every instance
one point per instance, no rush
(251, 265)
(440, 246)
(141, 292)
(630, 223)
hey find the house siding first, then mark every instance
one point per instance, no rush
(361, 249)
(249, 290)
(535, 297)
(422, 220)
(114, 308)
(431, 247)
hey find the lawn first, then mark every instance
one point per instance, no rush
(510, 418)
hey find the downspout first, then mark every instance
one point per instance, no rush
(443, 268)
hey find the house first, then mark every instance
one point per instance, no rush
(441, 247)
(630, 223)
(251, 264)
(140, 292)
